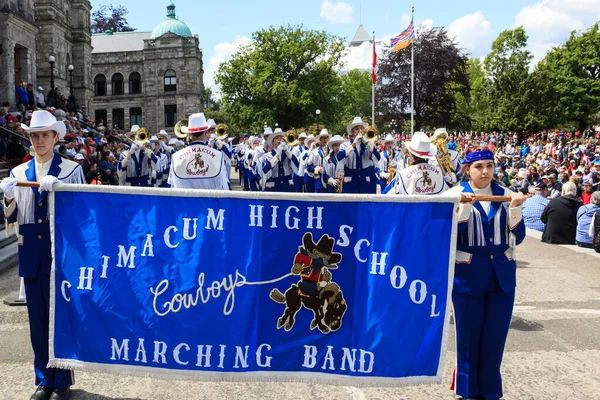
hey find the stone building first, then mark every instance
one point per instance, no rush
(31, 32)
(150, 79)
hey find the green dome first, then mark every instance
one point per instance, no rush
(171, 24)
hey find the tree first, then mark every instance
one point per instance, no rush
(110, 18)
(472, 110)
(210, 102)
(283, 76)
(356, 93)
(440, 73)
(507, 66)
(574, 71)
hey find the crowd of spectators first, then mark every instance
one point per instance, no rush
(97, 148)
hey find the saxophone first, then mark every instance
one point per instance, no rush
(391, 170)
(340, 176)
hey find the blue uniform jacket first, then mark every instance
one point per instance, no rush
(35, 249)
(485, 243)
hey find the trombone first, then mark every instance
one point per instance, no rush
(371, 133)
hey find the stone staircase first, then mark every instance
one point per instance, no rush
(8, 245)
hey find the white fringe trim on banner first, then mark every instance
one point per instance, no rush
(250, 376)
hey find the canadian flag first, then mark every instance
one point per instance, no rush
(374, 73)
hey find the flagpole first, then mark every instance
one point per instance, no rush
(412, 81)
(373, 90)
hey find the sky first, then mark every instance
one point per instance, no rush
(222, 26)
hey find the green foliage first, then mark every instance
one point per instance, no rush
(507, 66)
(440, 76)
(283, 76)
(574, 71)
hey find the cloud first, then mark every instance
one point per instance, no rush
(222, 52)
(337, 13)
(550, 22)
(427, 23)
(474, 33)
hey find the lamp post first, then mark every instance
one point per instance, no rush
(71, 103)
(318, 112)
(51, 98)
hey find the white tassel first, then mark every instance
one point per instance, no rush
(470, 228)
(497, 233)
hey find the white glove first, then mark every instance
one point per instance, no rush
(332, 182)
(384, 175)
(278, 150)
(134, 147)
(358, 138)
(148, 153)
(371, 146)
(318, 170)
(47, 183)
(214, 137)
(219, 143)
(274, 161)
(7, 185)
(313, 145)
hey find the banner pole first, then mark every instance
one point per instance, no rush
(373, 89)
(412, 80)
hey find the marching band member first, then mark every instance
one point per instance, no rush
(387, 161)
(138, 164)
(333, 170)
(189, 169)
(249, 161)
(157, 161)
(358, 160)
(441, 136)
(257, 158)
(297, 154)
(485, 277)
(309, 180)
(239, 153)
(29, 208)
(212, 127)
(276, 171)
(420, 177)
(315, 160)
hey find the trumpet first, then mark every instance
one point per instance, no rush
(443, 158)
(222, 131)
(142, 136)
(391, 170)
(370, 133)
(181, 130)
(291, 138)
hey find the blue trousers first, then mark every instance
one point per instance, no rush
(309, 186)
(482, 324)
(37, 291)
(299, 184)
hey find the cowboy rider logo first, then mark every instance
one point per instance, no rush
(315, 291)
(197, 166)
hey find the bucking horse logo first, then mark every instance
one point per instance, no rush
(315, 290)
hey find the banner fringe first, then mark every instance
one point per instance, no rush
(250, 377)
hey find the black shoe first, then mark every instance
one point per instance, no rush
(61, 394)
(41, 393)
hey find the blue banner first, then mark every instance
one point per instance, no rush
(275, 287)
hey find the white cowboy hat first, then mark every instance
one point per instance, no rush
(163, 133)
(421, 146)
(337, 139)
(79, 156)
(357, 121)
(154, 139)
(197, 123)
(172, 141)
(323, 133)
(278, 132)
(134, 128)
(211, 123)
(389, 138)
(310, 138)
(302, 136)
(254, 139)
(43, 120)
(268, 131)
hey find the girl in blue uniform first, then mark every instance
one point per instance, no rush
(485, 277)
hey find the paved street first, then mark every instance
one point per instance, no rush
(553, 347)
